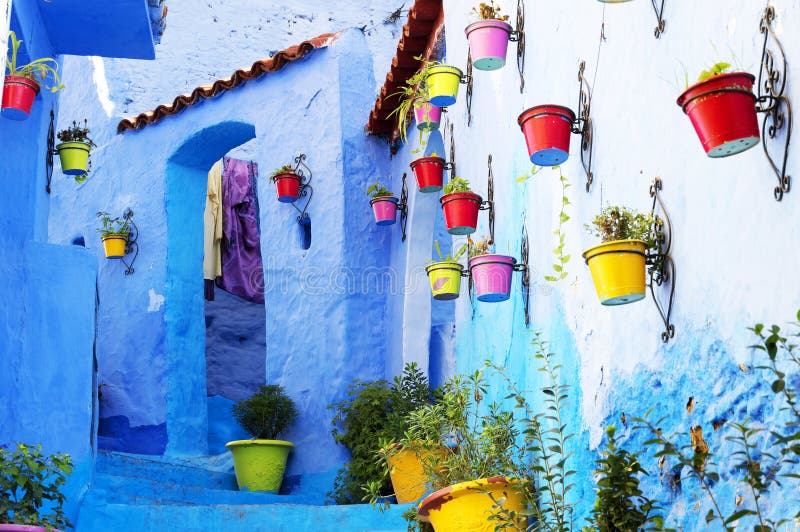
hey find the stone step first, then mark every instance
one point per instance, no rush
(179, 471)
(97, 514)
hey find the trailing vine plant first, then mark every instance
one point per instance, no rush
(561, 259)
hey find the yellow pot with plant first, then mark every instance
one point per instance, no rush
(618, 263)
(114, 233)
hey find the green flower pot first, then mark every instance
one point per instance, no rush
(260, 464)
(74, 157)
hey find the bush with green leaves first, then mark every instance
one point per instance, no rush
(267, 413)
(376, 190)
(620, 505)
(374, 414)
(456, 184)
(30, 487)
(113, 226)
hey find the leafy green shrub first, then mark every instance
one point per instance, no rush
(30, 480)
(267, 413)
(373, 413)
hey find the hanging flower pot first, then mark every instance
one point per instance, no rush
(427, 116)
(114, 245)
(445, 278)
(547, 130)
(488, 43)
(471, 505)
(461, 212)
(722, 109)
(385, 208)
(74, 157)
(443, 82)
(287, 185)
(618, 271)
(429, 172)
(18, 95)
(491, 277)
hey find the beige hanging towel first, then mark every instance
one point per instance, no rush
(212, 220)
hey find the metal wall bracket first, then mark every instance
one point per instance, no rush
(583, 125)
(772, 101)
(468, 80)
(660, 16)
(661, 267)
(488, 204)
(51, 148)
(306, 190)
(402, 206)
(518, 36)
(523, 267)
(451, 164)
(132, 245)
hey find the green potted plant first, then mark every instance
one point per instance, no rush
(618, 263)
(73, 151)
(384, 204)
(414, 96)
(30, 489)
(114, 233)
(491, 273)
(259, 463)
(21, 86)
(460, 206)
(445, 274)
(370, 422)
(287, 183)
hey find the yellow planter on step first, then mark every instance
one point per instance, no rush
(469, 505)
(445, 278)
(443, 82)
(407, 474)
(618, 271)
(114, 246)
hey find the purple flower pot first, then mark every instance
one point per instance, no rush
(385, 208)
(488, 43)
(491, 277)
(23, 528)
(427, 116)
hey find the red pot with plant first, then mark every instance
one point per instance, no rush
(460, 206)
(429, 172)
(722, 108)
(287, 184)
(547, 130)
(20, 86)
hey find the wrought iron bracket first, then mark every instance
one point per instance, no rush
(518, 36)
(451, 165)
(468, 80)
(583, 125)
(660, 16)
(523, 267)
(661, 267)
(488, 204)
(402, 206)
(773, 102)
(306, 190)
(132, 245)
(51, 143)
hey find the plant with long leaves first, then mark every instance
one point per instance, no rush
(559, 266)
(42, 68)
(456, 184)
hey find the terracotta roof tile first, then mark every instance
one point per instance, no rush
(238, 78)
(424, 20)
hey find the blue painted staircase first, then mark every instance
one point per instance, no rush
(146, 493)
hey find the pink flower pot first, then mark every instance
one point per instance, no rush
(385, 208)
(427, 116)
(491, 277)
(488, 43)
(23, 528)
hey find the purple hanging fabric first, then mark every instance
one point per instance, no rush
(242, 270)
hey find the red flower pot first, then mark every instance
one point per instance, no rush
(461, 212)
(547, 129)
(723, 112)
(429, 172)
(288, 186)
(18, 95)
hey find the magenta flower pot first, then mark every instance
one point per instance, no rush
(427, 116)
(385, 208)
(488, 43)
(24, 528)
(491, 277)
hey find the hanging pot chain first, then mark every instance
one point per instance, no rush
(773, 102)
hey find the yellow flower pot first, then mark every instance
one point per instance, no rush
(114, 246)
(445, 278)
(469, 505)
(443, 82)
(618, 271)
(406, 469)
(74, 157)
